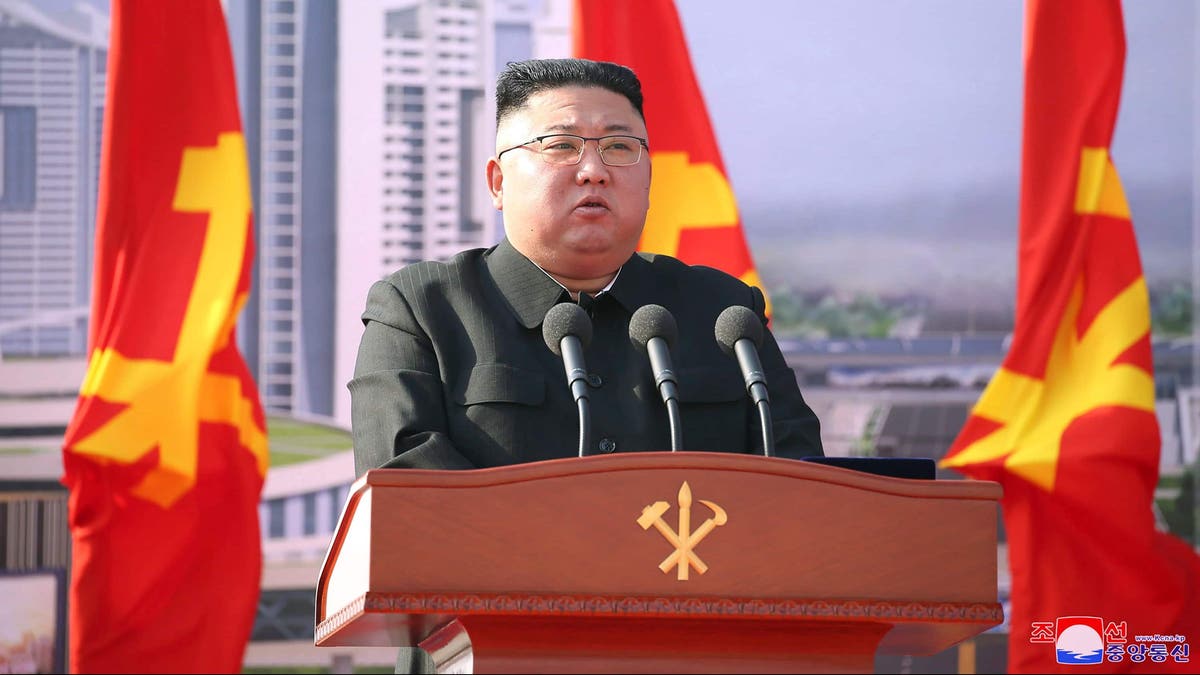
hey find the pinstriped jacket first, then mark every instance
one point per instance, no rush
(452, 371)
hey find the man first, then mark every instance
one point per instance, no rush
(453, 371)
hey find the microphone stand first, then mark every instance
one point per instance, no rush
(676, 423)
(747, 357)
(664, 379)
(768, 435)
(572, 353)
(585, 423)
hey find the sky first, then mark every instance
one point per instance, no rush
(918, 94)
(876, 145)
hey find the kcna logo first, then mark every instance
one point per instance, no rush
(1088, 640)
(1078, 640)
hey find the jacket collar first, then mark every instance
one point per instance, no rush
(531, 293)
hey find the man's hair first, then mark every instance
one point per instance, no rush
(522, 79)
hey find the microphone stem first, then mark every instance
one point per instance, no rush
(676, 423)
(584, 424)
(764, 416)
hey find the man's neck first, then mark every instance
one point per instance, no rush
(590, 286)
(574, 287)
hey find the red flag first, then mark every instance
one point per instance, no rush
(693, 214)
(1067, 425)
(166, 453)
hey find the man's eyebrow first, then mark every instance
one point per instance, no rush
(572, 128)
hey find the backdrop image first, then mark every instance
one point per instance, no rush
(32, 622)
(980, 250)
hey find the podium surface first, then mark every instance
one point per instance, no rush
(668, 562)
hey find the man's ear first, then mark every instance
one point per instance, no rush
(495, 180)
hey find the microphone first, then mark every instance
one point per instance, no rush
(652, 328)
(739, 332)
(567, 331)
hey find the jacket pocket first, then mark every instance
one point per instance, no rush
(708, 384)
(500, 383)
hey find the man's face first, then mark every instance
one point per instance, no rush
(576, 221)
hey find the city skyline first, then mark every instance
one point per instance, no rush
(875, 147)
(856, 175)
(911, 109)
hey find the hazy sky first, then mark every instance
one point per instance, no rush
(857, 98)
(875, 146)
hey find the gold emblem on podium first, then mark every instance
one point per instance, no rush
(685, 540)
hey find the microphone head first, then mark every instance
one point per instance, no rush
(737, 323)
(563, 319)
(650, 321)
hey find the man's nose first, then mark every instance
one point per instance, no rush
(591, 168)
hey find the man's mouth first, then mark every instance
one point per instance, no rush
(592, 204)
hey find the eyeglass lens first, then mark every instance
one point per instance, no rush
(614, 150)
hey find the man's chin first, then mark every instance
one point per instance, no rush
(592, 263)
(594, 241)
(608, 251)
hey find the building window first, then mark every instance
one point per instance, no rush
(310, 513)
(403, 23)
(18, 158)
(275, 518)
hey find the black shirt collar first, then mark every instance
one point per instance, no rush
(531, 293)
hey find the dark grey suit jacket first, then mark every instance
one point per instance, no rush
(453, 372)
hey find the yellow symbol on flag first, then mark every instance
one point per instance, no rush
(685, 540)
(168, 400)
(1080, 374)
(684, 196)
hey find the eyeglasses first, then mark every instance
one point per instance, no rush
(568, 148)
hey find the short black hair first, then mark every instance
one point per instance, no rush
(522, 79)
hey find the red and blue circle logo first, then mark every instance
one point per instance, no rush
(1080, 640)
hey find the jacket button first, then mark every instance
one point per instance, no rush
(595, 380)
(608, 445)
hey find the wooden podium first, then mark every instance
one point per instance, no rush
(662, 562)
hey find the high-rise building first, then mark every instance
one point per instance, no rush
(52, 79)
(416, 126)
(286, 54)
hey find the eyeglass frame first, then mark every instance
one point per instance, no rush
(538, 139)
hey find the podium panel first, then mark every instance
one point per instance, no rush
(663, 562)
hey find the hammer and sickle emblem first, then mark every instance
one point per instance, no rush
(685, 541)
